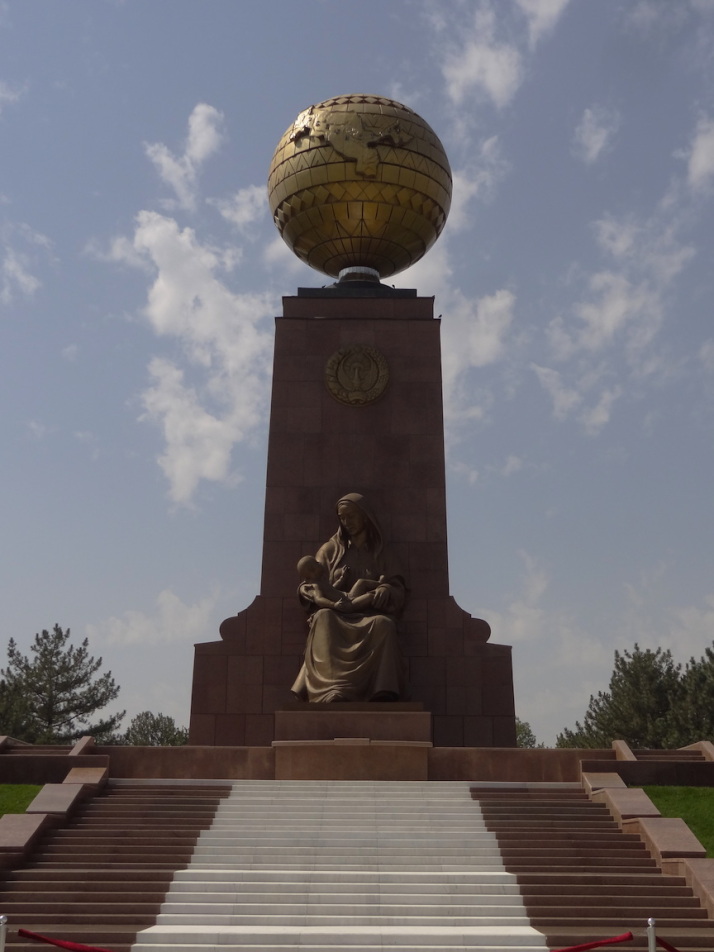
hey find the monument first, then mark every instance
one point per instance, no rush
(359, 188)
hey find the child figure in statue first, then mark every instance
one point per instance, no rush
(325, 595)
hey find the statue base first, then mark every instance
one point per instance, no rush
(396, 721)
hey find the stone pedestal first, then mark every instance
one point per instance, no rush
(391, 451)
(385, 722)
(356, 759)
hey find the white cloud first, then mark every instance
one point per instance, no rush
(475, 335)
(121, 250)
(542, 16)
(21, 249)
(9, 94)
(700, 169)
(692, 629)
(37, 430)
(658, 19)
(481, 64)
(595, 418)
(245, 208)
(487, 60)
(614, 301)
(575, 664)
(565, 399)
(706, 354)
(594, 133)
(223, 340)
(478, 181)
(476, 332)
(172, 622)
(15, 276)
(625, 305)
(70, 352)
(618, 238)
(619, 314)
(514, 464)
(469, 473)
(181, 172)
(198, 443)
(279, 257)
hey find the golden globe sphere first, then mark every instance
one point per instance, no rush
(359, 182)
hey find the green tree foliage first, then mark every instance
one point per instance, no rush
(646, 687)
(525, 736)
(52, 696)
(692, 718)
(154, 730)
(13, 710)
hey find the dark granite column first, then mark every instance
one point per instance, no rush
(392, 451)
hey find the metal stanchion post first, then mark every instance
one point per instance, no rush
(651, 939)
(3, 932)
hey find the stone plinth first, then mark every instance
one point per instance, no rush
(358, 759)
(374, 721)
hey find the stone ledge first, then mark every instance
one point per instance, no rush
(593, 782)
(666, 838)
(85, 745)
(18, 832)
(626, 804)
(93, 777)
(622, 750)
(57, 799)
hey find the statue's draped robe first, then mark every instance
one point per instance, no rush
(353, 657)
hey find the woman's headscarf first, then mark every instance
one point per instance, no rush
(374, 530)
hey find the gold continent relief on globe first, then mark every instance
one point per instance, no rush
(359, 181)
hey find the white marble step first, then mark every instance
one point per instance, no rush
(342, 921)
(220, 938)
(351, 906)
(383, 866)
(408, 879)
(334, 866)
(362, 846)
(300, 892)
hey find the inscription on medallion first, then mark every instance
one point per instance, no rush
(356, 375)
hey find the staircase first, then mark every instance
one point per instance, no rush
(340, 865)
(580, 877)
(269, 866)
(102, 878)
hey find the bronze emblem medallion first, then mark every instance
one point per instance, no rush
(356, 375)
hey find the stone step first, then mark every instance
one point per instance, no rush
(445, 913)
(356, 866)
(344, 920)
(568, 917)
(369, 937)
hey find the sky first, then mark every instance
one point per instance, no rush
(140, 273)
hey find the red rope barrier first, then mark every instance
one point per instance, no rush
(61, 943)
(625, 937)
(665, 945)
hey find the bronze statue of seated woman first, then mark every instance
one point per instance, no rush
(353, 592)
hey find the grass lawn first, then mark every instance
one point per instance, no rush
(695, 805)
(16, 797)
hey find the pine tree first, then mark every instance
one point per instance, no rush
(525, 736)
(645, 687)
(693, 718)
(53, 695)
(154, 730)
